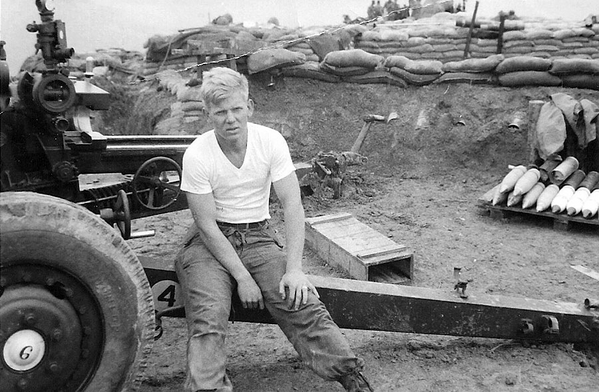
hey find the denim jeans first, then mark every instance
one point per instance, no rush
(207, 291)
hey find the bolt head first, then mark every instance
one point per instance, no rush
(22, 384)
(30, 319)
(54, 367)
(56, 334)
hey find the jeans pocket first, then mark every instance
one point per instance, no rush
(272, 233)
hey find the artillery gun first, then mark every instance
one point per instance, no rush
(76, 308)
(79, 310)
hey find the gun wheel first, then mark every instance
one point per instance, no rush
(157, 183)
(76, 308)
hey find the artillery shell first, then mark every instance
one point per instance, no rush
(546, 197)
(499, 197)
(575, 179)
(591, 205)
(526, 182)
(530, 198)
(509, 181)
(488, 196)
(576, 202)
(513, 199)
(547, 167)
(564, 170)
(591, 179)
(559, 202)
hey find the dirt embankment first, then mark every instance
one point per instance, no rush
(420, 187)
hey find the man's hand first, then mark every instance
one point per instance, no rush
(249, 293)
(295, 288)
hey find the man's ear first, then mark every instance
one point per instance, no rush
(250, 107)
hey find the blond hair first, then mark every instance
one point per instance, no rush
(218, 83)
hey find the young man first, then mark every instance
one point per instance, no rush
(227, 174)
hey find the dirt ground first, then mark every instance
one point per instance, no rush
(420, 186)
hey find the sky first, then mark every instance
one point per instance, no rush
(127, 24)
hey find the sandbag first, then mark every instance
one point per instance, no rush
(415, 41)
(587, 81)
(574, 66)
(344, 71)
(324, 44)
(394, 35)
(353, 57)
(371, 36)
(189, 106)
(396, 61)
(474, 65)
(412, 78)
(467, 77)
(421, 67)
(539, 34)
(563, 34)
(273, 58)
(523, 63)
(189, 94)
(514, 35)
(550, 130)
(376, 77)
(591, 114)
(528, 78)
(310, 70)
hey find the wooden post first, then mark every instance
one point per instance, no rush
(534, 109)
(469, 38)
(361, 136)
(501, 30)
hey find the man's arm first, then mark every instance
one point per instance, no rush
(203, 209)
(294, 286)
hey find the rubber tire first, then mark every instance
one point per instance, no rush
(61, 234)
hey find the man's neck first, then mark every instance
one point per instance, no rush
(234, 150)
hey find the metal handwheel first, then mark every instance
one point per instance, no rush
(157, 183)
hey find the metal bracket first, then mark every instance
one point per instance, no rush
(549, 325)
(526, 327)
(461, 284)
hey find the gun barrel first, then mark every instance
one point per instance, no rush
(126, 153)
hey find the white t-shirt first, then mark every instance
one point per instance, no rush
(241, 194)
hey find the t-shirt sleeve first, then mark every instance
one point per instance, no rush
(194, 178)
(282, 165)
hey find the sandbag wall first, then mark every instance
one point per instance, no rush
(401, 53)
(446, 43)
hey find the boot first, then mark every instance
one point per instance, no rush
(355, 382)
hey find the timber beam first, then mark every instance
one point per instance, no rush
(365, 305)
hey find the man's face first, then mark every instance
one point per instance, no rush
(230, 117)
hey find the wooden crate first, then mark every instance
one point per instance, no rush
(343, 241)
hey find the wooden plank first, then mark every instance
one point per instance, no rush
(587, 271)
(388, 258)
(328, 218)
(381, 252)
(561, 221)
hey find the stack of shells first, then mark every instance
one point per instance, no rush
(559, 186)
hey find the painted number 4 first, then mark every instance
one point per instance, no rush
(168, 296)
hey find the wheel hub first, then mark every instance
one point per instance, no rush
(24, 350)
(49, 335)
